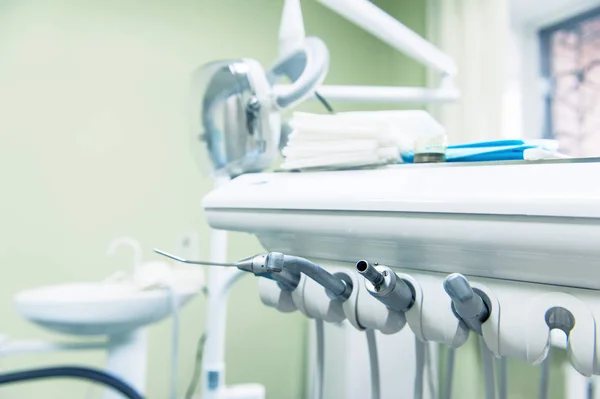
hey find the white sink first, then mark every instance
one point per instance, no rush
(119, 307)
(97, 308)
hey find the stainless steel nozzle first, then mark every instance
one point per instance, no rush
(369, 272)
(193, 262)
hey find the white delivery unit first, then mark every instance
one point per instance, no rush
(527, 235)
(533, 222)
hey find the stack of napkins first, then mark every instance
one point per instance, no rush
(355, 139)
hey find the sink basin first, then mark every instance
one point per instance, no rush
(97, 308)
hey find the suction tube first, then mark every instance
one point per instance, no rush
(82, 373)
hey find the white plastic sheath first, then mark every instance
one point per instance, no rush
(374, 363)
(391, 31)
(419, 368)
(320, 369)
(487, 359)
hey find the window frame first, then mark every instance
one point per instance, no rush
(544, 40)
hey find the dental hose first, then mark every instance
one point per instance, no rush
(450, 356)
(430, 371)
(502, 378)
(488, 370)
(419, 368)
(320, 369)
(470, 307)
(393, 292)
(545, 377)
(315, 272)
(82, 373)
(374, 362)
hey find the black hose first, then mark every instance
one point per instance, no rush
(83, 373)
(325, 103)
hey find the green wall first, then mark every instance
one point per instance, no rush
(94, 145)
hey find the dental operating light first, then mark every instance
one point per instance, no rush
(236, 108)
(236, 105)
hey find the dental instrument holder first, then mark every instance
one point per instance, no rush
(468, 305)
(383, 284)
(322, 295)
(523, 331)
(365, 312)
(523, 334)
(317, 294)
(404, 293)
(289, 272)
(360, 309)
(512, 329)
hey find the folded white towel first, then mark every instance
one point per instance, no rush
(355, 139)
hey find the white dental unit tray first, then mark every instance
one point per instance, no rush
(526, 234)
(524, 221)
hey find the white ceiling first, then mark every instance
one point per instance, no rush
(545, 12)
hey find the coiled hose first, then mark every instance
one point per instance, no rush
(82, 373)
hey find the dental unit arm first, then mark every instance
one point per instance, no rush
(388, 29)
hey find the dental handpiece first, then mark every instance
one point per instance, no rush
(383, 284)
(256, 265)
(278, 263)
(284, 269)
(467, 304)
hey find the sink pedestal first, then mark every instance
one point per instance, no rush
(127, 359)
